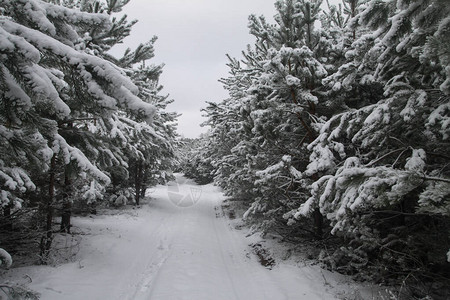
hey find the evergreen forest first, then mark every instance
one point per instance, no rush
(334, 138)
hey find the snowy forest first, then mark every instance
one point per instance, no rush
(78, 126)
(334, 137)
(337, 135)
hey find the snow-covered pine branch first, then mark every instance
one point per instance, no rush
(5, 259)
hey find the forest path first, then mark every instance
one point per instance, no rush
(179, 246)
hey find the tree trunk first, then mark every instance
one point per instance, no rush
(138, 181)
(143, 179)
(67, 206)
(46, 241)
(353, 6)
(7, 216)
(143, 192)
(65, 217)
(318, 223)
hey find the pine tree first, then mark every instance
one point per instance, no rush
(51, 76)
(391, 180)
(155, 146)
(277, 90)
(349, 122)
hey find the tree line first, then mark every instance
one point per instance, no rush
(337, 135)
(78, 126)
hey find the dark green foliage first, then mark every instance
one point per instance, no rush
(340, 135)
(194, 161)
(72, 117)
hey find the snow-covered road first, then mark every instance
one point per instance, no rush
(179, 246)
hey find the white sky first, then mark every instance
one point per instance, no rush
(193, 38)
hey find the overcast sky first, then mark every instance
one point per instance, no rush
(193, 38)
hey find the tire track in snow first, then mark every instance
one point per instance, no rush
(167, 253)
(247, 268)
(194, 253)
(149, 256)
(138, 276)
(156, 265)
(230, 278)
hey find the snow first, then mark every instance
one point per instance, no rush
(417, 161)
(5, 258)
(292, 81)
(440, 115)
(167, 251)
(16, 179)
(39, 11)
(321, 159)
(30, 42)
(74, 154)
(14, 92)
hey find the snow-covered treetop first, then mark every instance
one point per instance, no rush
(42, 33)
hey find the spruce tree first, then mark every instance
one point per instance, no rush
(50, 74)
(390, 185)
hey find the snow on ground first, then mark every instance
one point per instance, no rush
(178, 246)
